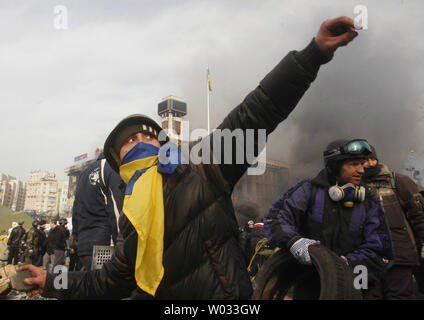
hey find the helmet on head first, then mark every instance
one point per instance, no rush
(63, 221)
(21, 223)
(341, 150)
(36, 222)
(124, 129)
(373, 153)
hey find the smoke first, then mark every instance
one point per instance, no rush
(373, 95)
(371, 90)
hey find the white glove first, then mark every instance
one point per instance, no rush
(299, 250)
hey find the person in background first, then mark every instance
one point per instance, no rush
(32, 243)
(16, 236)
(402, 204)
(333, 210)
(98, 201)
(56, 246)
(42, 242)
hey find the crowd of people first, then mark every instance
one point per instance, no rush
(173, 223)
(39, 245)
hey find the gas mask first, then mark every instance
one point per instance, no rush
(348, 194)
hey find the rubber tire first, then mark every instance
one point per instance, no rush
(281, 270)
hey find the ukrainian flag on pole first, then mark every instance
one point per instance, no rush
(209, 79)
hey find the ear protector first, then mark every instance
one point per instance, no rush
(348, 193)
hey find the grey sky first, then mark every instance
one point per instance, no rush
(62, 91)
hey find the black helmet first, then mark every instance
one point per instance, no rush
(128, 126)
(63, 221)
(373, 153)
(36, 222)
(340, 150)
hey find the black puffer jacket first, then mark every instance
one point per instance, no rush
(202, 256)
(16, 236)
(56, 240)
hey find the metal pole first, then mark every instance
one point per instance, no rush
(207, 99)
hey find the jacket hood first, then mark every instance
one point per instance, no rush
(101, 156)
(384, 170)
(324, 179)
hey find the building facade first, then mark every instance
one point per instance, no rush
(62, 198)
(41, 193)
(19, 193)
(12, 192)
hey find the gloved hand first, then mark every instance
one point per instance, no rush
(299, 250)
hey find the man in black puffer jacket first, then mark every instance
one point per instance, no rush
(201, 255)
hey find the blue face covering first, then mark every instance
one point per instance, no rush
(169, 158)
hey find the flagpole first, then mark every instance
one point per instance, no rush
(207, 99)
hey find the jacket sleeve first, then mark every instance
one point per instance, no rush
(262, 110)
(376, 251)
(114, 281)
(281, 224)
(115, 199)
(412, 204)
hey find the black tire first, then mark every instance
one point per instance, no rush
(281, 270)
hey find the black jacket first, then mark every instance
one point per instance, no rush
(16, 235)
(202, 256)
(95, 212)
(42, 242)
(56, 240)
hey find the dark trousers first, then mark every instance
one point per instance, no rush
(86, 262)
(396, 284)
(13, 255)
(74, 262)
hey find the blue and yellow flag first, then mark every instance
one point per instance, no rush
(144, 208)
(209, 79)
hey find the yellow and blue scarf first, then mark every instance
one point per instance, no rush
(143, 206)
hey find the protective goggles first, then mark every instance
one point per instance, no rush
(354, 147)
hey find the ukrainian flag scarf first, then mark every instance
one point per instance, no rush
(143, 206)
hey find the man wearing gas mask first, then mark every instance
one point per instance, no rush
(333, 210)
